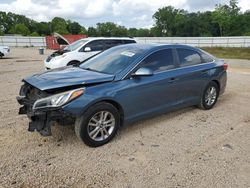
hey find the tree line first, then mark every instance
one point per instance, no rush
(224, 20)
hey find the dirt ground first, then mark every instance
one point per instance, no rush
(186, 148)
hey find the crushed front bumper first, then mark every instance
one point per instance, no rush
(42, 120)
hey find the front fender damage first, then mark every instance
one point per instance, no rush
(41, 124)
(41, 120)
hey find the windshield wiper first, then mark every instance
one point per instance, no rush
(89, 69)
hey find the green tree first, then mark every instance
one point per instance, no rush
(106, 29)
(120, 31)
(233, 7)
(206, 26)
(132, 32)
(143, 33)
(74, 27)
(34, 34)
(156, 32)
(20, 29)
(226, 16)
(1, 30)
(246, 23)
(167, 18)
(92, 32)
(43, 28)
(83, 31)
(59, 25)
(225, 20)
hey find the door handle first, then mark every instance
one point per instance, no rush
(173, 79)
(204, 72)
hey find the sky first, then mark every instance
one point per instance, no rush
(129, 13)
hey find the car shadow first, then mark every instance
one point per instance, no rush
(126, 129)
(7, 58)
(67, 133)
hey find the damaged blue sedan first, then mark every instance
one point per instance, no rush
(119, 86)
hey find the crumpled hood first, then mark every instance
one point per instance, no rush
(63, 77)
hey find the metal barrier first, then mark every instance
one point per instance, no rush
(21, 41)
(242, 41)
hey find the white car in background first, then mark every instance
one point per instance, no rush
(4, 51)
(80, 50)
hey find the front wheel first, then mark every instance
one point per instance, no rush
(98, 125)
(210, 96)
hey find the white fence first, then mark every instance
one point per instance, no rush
(20, 41)
(243, 41)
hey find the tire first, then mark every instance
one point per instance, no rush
(74, 63)
(91, 131)
(209, 96)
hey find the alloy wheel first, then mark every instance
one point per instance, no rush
(211, 95)
(101, 125)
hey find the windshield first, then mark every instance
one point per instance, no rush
(113, 60)
(75, 45)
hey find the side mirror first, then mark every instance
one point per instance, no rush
(87, 49)
(143, 72)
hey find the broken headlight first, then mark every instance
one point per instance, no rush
(58, 99)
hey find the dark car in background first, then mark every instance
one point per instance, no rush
(122, 85)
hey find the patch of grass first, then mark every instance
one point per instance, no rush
(229, 53)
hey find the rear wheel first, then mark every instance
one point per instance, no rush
(210, 96)
(98, 125)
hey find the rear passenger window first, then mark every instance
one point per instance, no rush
(188, 57)
(159, 61)
(129, 41)
(111, 43)
(206, 57)
(96, 45)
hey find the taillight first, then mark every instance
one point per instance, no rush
(225, 66)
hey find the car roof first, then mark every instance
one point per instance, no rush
(158, 46)
(108, 38)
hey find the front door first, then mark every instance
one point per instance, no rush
(149, 95)
(90, 49)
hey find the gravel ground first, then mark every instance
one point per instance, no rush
(185, 148)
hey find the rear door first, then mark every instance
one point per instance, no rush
(192, 75)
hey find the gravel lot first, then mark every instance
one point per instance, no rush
(185, 148)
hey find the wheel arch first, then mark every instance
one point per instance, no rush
(218, 84)
(116, 104)
(118, 107)
(72, 61)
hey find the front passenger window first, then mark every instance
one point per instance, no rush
(96, 45)
(159, 61)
